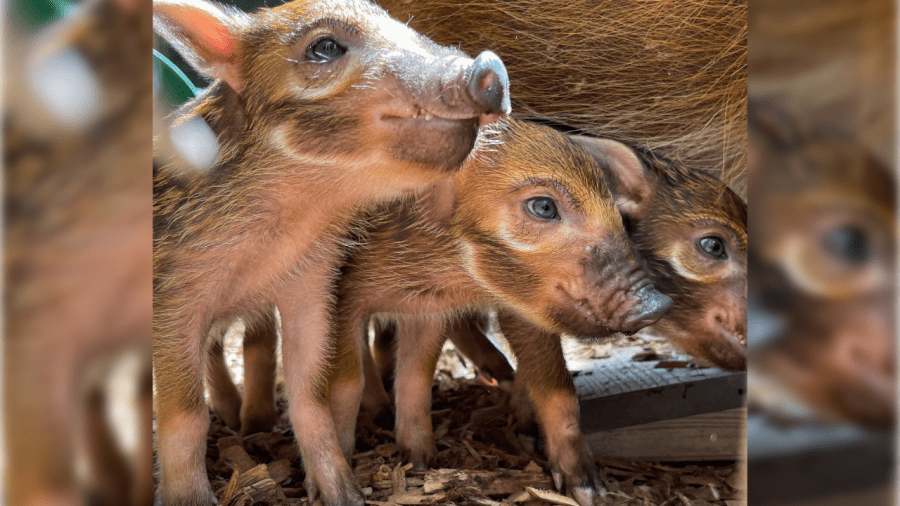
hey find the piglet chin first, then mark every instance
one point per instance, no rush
(437, 142)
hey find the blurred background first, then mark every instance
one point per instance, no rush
(77, 212)
(78, 121)
(822, 288)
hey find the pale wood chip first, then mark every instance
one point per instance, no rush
(512, 482)
(550, 496)
(685, 500)
(280, 471)
(237, 456)
(434, 484)
(442, 429)
(252, 486)
(398, 478)
(232, 486)
(483, 502)
(413, 499)
(690, 479)
(519, 497)
(228, 442)
(738, 478)
(532, 467)
(471, 450)
(387, 449)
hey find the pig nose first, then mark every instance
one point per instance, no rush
(489, 84)
(654, 306)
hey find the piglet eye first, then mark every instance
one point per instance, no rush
(324, 50)
(543, 208)
(850, 243)
(713, 246)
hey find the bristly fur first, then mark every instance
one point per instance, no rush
(303, 145)
(669, 77)
(677, 207)
(469, 244)
(830, 63)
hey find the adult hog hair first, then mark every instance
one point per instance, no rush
(77, 145)
(824, 263)
(319, 108)
(830, 63)
(669, 77)
(528, 225)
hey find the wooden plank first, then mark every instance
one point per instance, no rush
(618, 392)
(708, 436)
(882, 496)
(816, 461)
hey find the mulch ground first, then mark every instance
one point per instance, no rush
(482, 459)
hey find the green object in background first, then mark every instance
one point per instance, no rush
(33, 14)
(175, 85)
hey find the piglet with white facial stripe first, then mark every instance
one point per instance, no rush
(319, 108)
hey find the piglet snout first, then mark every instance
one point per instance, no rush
(488, 85)
(653, 306)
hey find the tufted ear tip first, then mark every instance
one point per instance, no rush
(627, 176)
(205, 34)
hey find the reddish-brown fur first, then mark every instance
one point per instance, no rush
(303, 143)
(678, 207)
(668, 76)
(824, 262)
(669, 209)
(469, 243)
(831, 63)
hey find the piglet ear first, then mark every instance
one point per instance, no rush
(771, 132)
(205, 34)
(630, 181)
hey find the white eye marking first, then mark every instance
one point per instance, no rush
(675, 260)
(278, 140)
(513, 243)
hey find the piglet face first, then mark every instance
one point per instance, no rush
(541, 230)
(342, 84)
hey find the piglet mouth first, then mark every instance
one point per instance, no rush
(583, 319)
(737, 340)
(423, 117)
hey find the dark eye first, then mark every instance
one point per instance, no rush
(325, 50)
(850, 243)
(713, 246)
(543, 208)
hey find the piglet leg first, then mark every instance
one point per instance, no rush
(469, 337)
(304, 305)
(258, 411)
(223, 395)
(376, 403)
(419, 343)
(181, 414)
(346, 377)
(384, 351)
(542, 371)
